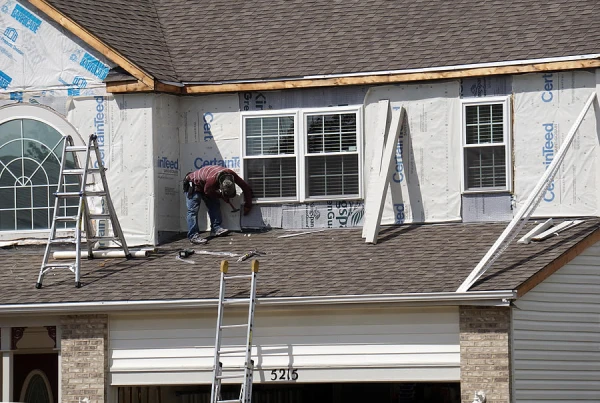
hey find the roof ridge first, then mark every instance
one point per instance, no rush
(162, 32)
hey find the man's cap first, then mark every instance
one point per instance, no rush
(227, 186)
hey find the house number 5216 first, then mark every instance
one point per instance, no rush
(284, 374)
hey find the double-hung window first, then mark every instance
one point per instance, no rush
(486, 144)
(303, 154)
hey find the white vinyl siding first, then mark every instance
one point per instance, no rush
(341, 345)
(556, 335)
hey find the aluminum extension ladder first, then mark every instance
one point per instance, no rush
(93, 164)
(220, 373)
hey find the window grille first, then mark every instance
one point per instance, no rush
(485, 142)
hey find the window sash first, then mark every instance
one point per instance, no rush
(486, 167)
(272, 177)
(339, 132)
(485, 145)
(30, 153)
(332, 175)
(331, 133)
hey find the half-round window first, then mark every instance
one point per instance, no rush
(36, 388)
(30, 156)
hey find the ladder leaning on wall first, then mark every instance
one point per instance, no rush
(231, 372)
(92, 164)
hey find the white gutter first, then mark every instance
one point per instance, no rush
(410, 71)
(496, 298)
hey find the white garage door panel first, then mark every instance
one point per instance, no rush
(272, 362)
(341, 345)
(305, 375)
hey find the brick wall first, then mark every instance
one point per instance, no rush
(84, 352)
(485, 353)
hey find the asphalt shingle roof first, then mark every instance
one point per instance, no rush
(214, 41)
(336, 262)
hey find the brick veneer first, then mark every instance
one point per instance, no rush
(485, 353)
(84, 362)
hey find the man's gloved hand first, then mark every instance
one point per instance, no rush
(247, 209)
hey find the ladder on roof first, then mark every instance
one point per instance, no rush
(67, 199)
(243, 373)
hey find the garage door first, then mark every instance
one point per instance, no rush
(303, 346)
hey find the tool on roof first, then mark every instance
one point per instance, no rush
(243, 373)
(214, 253)
(248, 255)
(73, 175)
(185, 253)
(233, 208)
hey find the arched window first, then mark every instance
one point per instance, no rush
(36, 388)
(30, 154)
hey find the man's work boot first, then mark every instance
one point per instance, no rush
(198, 240)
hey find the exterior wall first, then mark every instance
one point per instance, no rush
(485, 353)
(557, 335)
(168, 171)
(322, 345)
(84, 358)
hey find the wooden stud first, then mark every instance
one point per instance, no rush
(224, 266)
(391, 78)
(118, 87)
(121, 87)
(169, 88)
(93, 41)
(343, 81)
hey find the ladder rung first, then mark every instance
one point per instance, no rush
(232, 326)
(242, 350)
(95, 193)
(229, 401)
(73, 171)
(79, 171)
(99, 216)
(62, 240)
(68, 194)
(66, 218)
(236, 375)
(237, 276)
(58, 265)
(104, 238)
(78, 148)
(236, 301)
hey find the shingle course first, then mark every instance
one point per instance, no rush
(201, 41)
(407, 259)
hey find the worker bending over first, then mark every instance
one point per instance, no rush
(212, 183)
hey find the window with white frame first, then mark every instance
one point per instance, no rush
(486, 144)
(30, 157)
(303, 155)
